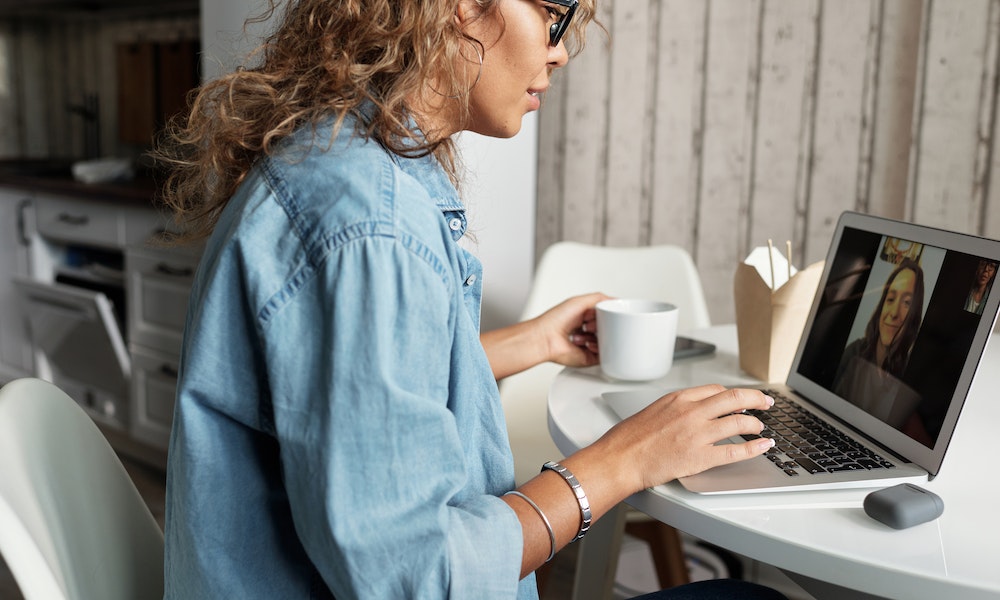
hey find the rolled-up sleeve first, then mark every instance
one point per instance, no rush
(375, 462)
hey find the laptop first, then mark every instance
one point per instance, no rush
(899, 322)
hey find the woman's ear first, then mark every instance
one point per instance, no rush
(466, 11)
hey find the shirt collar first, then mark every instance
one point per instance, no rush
(426, 169)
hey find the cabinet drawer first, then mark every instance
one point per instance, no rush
(154, 384)
(159, 282)
(95, 223)
(77, 221)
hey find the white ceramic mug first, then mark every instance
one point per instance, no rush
(636, 338)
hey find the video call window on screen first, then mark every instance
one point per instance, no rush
(895, 321)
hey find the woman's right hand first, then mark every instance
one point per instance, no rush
(676, 435)
(672, 437)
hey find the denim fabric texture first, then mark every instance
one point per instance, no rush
(338, 428)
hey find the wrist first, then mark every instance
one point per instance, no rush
(586, 515)
(514, 348)
(604, 475)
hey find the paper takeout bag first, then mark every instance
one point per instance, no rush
(769, 323)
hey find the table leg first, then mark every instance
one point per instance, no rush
(597, 556)
(822, 590)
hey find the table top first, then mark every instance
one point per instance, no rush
(825, 536)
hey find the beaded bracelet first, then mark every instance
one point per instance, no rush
(581, 496)
(548, 526)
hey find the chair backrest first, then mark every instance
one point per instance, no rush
(662, 272)
(567, 269)
(74, 526)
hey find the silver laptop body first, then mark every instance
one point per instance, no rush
(906, 412)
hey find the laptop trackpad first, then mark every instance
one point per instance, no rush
(627, 403)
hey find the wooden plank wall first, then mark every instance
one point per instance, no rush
(717, 124)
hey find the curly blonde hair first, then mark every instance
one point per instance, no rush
(325, 59)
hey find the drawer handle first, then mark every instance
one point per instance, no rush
(169, 371)
(73, 219)
(165, 269)
(22, 221)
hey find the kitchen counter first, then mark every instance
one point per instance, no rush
(54, 176)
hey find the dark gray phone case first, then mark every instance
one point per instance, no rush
(903, 505)
(685, 347)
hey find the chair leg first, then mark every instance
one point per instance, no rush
(668, 553)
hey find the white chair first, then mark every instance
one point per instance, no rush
(73, 525)
(567, 269)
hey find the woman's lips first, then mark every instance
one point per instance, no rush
(535, 100)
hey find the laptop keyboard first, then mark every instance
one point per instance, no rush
(806, 444)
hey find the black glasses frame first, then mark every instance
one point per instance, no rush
(559, 28)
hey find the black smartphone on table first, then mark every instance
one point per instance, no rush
(686, 347)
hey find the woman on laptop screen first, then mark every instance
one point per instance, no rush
(976, 300)
(871, 368)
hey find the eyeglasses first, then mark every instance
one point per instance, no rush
(557, 29)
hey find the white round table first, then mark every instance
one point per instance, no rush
(823, 540)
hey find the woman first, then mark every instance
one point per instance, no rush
(871, 368)
(893, 326)
(338, 429)
(981, 284)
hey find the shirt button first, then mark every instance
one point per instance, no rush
(471, 280)
(455, 224)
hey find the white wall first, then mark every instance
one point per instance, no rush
(500, 195)
(500, 191)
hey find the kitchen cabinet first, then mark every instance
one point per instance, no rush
(102, 309)
(15, 224)
(159, 283)
(75, 301)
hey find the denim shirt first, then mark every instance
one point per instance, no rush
(338, 429)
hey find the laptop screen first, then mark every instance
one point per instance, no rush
(894, 325)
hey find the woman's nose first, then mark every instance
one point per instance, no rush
(558, 56)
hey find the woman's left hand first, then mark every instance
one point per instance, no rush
(569, 331)
(565, 334)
